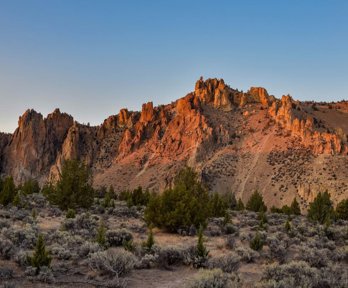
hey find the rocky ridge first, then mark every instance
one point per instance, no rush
(230, 137)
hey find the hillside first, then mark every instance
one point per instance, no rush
(237, 141)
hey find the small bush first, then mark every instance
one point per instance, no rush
(227, 263)
(7, 249)
(116, 263)
(169, 256)
(247, 255)
(71, 213)
(215, 279)
(291, 275)
(116, 238)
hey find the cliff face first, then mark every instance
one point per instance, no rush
(33, 147)
(230, 137)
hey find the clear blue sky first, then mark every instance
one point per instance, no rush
(91, 58)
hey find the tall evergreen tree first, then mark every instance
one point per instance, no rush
(74, 188)
(256, 203)
(321, 209)
(295, 207)
(342, 210)
(41, 256)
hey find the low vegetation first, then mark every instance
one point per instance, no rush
(100, 240)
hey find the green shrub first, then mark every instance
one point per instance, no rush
(321, 209)
(71, 213)
(257, 243)
(201, 251)
(240, 205)
(30, 187)
(287, 226)
(218, 205)
(137, 197)
(295, 207)
(256, 203)
(263, 220)
(215, 279)
(150, 240)
(342, 210)
(74, 187)
(101, 234)
(41, 256)
(128, 245)
(8, 191)
(180, 207)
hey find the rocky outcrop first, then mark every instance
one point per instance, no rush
(289, 115)
(35, 144)
(224, 133)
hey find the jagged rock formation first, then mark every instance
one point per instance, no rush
(236, 141)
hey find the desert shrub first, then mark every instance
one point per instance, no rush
(277, 248)
(169, 256)
(74, 187)
(230, 242)
(8, 191)
(117, 237)
(41, 256)
(215, 279)
(255, 203)
(257, 242)
(213, 229)
(6, 273)
(247, 255)
(321, 209)
(333, 276)
(71, 213)
(45, 275)
(60, 252)
(7, 249)
(147, 261)
(24, 237)
(88, 248)
(80, 222)
(314, 257)
(116, 282)
(21, 258)
(291, 275)
(342, 210)
(185, 205)
(227, 263)
(116, 263)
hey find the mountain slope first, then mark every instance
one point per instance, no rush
(237, 142)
